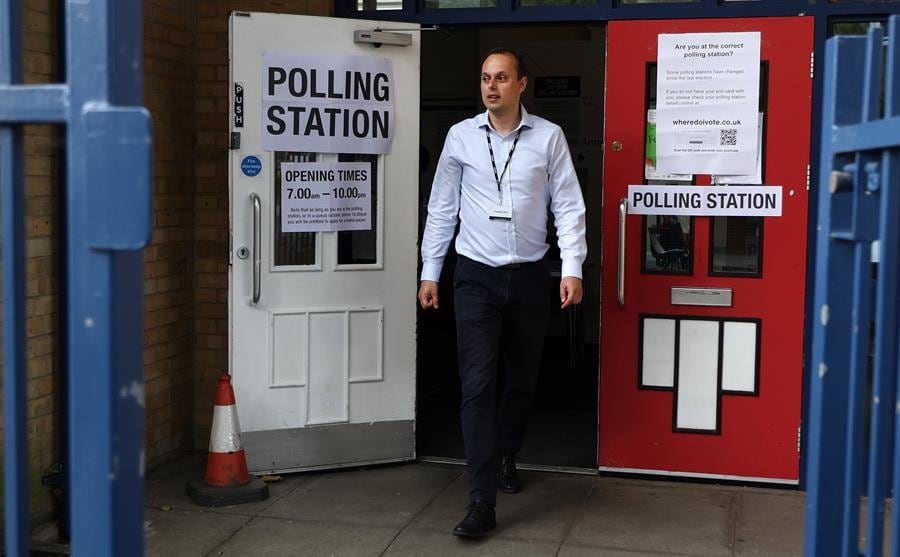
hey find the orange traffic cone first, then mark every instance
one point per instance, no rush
(227, 481)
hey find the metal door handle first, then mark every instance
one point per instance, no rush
(257, 241)
(623, 210)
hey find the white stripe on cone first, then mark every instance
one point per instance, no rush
(226, 433)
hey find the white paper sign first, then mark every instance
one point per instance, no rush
(756, 177)
(326, 196)
(707, 103)
(650, 172)
(326, 103)
(710, 201)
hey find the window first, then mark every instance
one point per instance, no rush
(291, 248)
(360, 247)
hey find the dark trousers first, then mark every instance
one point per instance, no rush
(500, 313)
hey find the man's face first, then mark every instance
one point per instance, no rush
(501, 88)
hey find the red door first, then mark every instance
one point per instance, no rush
(701, 362)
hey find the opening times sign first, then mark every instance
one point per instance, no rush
(326, 197)
(325, 103)
(705, 201)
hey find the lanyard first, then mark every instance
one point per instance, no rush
(512, 150)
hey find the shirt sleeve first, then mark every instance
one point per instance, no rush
(567, 205)
(443, 210)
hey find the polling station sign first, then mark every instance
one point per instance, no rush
(325, 103)
(705, 201)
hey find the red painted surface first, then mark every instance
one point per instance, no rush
(227, 469)
(758, 433)
(224, 391)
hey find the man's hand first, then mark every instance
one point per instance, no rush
(428, 294)
(570, 291)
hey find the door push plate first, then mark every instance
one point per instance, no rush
(687, 296)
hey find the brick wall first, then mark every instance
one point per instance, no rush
(168, 354)
(211, 199)
(186, 273)
(39, 40)
(169, 36)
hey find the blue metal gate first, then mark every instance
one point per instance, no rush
(854, 403)
(108, 220)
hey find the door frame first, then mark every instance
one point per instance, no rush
(592, 469)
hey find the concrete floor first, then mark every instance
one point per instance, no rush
(410, 509)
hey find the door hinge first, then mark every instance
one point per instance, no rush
(807, 177)
(230, 248)
(812, 64)
(798, 439)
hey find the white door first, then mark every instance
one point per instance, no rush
(323, 364)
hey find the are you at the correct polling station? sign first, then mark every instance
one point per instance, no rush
(325, 103)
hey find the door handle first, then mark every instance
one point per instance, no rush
(623, 210)
(257, 241)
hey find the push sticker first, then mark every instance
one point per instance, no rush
(239, 105)
(251, 166)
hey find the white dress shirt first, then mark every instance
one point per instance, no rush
(540, 174)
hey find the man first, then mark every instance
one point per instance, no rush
(497, 174)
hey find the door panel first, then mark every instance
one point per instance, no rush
(701, 389)
(330, 343)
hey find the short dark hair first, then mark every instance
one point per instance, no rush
(521, 69)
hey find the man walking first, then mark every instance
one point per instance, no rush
(496, 177)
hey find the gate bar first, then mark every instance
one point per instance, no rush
(42, 104)
(13, 258)
(853, 305)
(108, 224)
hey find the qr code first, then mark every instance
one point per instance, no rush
(728, 137)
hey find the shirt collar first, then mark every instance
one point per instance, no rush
(525, 122)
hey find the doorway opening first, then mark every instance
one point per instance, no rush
(566, 86)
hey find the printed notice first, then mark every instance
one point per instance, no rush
(650, 172)
(325, 103)
(707, 103)
(325, 197)
(705, 201)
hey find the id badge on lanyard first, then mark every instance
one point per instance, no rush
(500, 211)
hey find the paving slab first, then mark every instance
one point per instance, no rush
(445, 511)
(411, 510)
(546, 508)
(657, 518)
(187, 534)
(276, 537)
(770, 524)
(165, 487)
(863, 525)
(419, 542)
(571, 550)
(387, 496)
(543, 511)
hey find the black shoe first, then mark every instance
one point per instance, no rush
(508, 480)
(480, 519)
